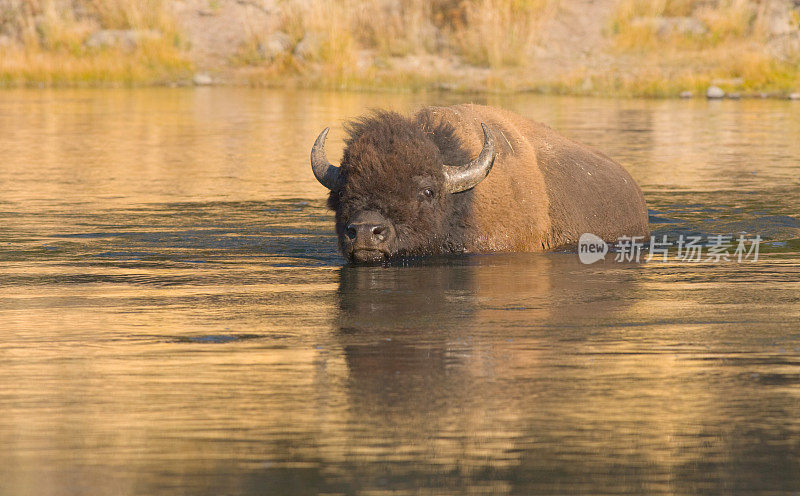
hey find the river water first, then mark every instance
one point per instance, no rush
(175, 319)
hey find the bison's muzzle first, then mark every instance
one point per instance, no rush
(369, 238)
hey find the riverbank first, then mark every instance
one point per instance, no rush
(601, 47)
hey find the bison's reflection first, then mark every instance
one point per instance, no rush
(434, 354)
(525, 374)
(405, 333)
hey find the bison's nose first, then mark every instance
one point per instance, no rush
(367, 232)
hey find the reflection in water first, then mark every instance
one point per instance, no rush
(529, 374)
(452, 385)
(174, 316)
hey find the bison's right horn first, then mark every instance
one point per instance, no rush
(464, 177)
(326, 173)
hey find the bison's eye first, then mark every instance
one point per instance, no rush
(428, 193)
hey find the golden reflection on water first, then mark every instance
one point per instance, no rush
(174, 316)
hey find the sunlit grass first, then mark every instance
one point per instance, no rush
(405, 45)
(51, 43)
(501, 32)
(343, 39)
(357, 44)
(149, 65)
(730, 50)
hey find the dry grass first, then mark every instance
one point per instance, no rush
(364, 44)
(501, 33)
(148, 65)
(50, 43)
(731, 51)
(407, 27)
(461, 45)
(348, 43)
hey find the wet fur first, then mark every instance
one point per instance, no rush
(543, 192)
(388, 160)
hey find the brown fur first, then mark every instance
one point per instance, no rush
(543, 192)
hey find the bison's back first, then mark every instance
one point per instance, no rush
(544, 190)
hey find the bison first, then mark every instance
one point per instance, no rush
(470, 179)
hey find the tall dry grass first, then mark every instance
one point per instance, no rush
(401, 28)
(406, 44)
(342, 38)
(731, 50)
(724, 20)
(46, 43)
(500, 33)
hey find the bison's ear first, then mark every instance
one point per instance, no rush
(327, 174)
(464, 177)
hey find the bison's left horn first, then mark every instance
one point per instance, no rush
(464, 177)
(326, 173)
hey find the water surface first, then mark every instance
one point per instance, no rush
(174, 317)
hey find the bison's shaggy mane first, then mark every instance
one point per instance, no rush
(386, 127)
(386, 160)
(424, 144)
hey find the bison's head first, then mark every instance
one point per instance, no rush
(393, 194)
